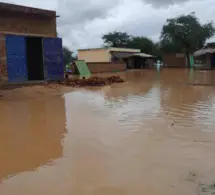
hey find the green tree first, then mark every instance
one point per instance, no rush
(145, 44)
(116, 39)
(67, 55)
(167, 46)
(185, 32)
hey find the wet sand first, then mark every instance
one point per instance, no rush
(153, 135)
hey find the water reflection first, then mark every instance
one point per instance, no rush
(187, 105)
(30, 135)
(151, 135)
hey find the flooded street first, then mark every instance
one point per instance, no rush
(154, 135)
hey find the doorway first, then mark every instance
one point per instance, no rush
(139, 63)
(34, 55)
(213, 61)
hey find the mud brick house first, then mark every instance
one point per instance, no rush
(206, 56)
(113, 59)
(29, 47)
(177, 60)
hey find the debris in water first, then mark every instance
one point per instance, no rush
(92, 81)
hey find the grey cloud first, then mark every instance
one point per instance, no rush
(160, 3)
(80, 11)
(83, 22)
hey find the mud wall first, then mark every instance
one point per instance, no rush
(31, 25)
(3, 67)
(174, 60)
(106, 67)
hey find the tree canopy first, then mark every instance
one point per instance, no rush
(116, 39)
(145, 44)
(67, 55)
(122, 39)
(184, 33)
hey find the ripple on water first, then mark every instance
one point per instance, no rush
(144, 136)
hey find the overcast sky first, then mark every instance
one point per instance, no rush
(83, 22)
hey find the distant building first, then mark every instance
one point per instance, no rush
(113, 59)
(29, 47)
(205, 57)
(176, 60)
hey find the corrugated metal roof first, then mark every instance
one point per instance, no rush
(204, 51)
(113, 49)
(143, 55)
(122, 54)
(128, 54)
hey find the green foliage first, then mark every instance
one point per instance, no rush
(67, 56)
(145, 44)
(116, 39)
(185, 33)
(181, 34)
(122, 39)
(166, 46)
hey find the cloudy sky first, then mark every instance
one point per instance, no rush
(83, 22)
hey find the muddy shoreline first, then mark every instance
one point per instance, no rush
(55, 87)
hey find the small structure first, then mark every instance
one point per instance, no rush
(205, 57)
(29, 47)
(174, 60)
(113, 59)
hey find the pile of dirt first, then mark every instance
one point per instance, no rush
(92, 81)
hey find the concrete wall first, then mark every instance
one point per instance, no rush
(101, 54)
(105, 67)
(94, 55)
(22, 25)
(174, 60)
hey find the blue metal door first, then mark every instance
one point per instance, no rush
(53, 58)
(16, 58)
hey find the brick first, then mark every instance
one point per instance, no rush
(22, 25)
(173, 60)
(28, 25)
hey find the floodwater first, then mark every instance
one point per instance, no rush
(153, 135)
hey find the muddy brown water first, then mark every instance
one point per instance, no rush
(154, 135)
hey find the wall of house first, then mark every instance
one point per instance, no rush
(106, 67)
(174, 60)
(31, 25)
(94, 55)
(22, 25)
(3, 67)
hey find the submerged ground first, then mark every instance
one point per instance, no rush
(154, 135)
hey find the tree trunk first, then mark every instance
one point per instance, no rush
(188, 59)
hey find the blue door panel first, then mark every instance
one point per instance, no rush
(16, 58)
(53, 59)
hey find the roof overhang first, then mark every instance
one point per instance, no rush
(202, 52)
(129, 54)
(143, 55)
